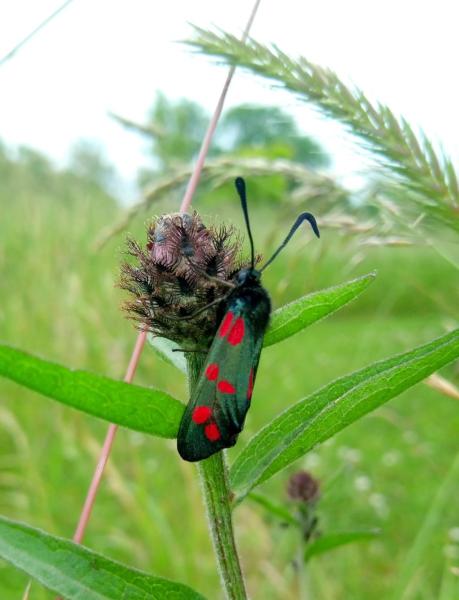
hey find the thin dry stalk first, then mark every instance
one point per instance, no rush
(218, 172)
(105, 452)
(442, 385)
(150, 130)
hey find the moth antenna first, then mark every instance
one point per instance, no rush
(240, 187)
(303, 217)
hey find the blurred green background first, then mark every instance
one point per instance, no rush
(59, 300)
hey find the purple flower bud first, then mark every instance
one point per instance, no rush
(303, 487)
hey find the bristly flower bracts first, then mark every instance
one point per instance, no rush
(177, 274)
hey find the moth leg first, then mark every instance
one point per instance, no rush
(198, 312)
(210, 277)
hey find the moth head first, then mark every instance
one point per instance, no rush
(247, 275)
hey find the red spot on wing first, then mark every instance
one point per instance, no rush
(212, 432)
(226, 324)
(250, 386)
(201, 414)
(236, 335)
(226, 387)
(212, 371)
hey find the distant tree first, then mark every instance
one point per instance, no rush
(35, 163)
(4, 162)
(268, 130)
(88, 163)
(244, 130)
(183, 124)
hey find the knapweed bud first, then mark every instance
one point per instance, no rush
(181, 270)
(303, 487)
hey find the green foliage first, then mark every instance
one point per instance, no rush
(272, 131)
(289, 436)
(76, 572)
(177, 129)
(148, 410)
(334, 407)
(274, 508)
(408, 582)
(293, 317)
(48, 230)
(153, 411)
(88, 164)
(450, 583)
(330, 541)
(183, 124)
(31, 171)
(286, 320)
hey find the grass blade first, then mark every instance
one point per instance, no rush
(449, 587)
(293, 317)
(142, 409)
(324, 413)
(76, 572)
(275, 509)
(418, 555)
(390, 138)
(328, 542)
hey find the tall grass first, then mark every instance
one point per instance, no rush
(59, 300)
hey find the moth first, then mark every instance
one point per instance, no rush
(216, 412)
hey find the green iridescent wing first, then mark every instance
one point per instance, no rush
(216, 412)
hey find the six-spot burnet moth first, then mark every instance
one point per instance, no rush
(216, 412)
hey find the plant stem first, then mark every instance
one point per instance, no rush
(303, 579)
(216, 494)
(304, 518)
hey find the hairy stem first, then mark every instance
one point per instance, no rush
(216, 493)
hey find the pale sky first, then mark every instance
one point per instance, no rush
(109, 55)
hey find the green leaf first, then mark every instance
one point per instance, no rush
(285, 321)
(338, 404)
(78, 573)
(330, 541)
(143, 409)
(164, 348)
(301, 313)
(277, 510)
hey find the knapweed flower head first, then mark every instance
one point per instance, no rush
(178, 274)
(303, 487)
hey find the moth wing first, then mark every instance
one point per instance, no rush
(216, 412)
